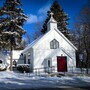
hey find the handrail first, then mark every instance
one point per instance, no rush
(66, 52)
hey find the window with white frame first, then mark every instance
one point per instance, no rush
(54, 44)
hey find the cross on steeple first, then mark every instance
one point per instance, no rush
(52, 23)
(51, 14)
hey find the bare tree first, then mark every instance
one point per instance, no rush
(37, 32)
(83, 31)
(28, 38)
(26, 41)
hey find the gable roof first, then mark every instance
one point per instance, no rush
(42, 36)
(32, 43)
(65, 38)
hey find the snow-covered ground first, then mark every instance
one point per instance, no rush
(12, 80)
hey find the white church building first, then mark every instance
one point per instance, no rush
(51, 49)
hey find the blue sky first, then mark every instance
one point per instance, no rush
(36, 10)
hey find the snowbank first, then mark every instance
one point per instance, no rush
(13, 80)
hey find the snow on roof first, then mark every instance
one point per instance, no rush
(32, 43)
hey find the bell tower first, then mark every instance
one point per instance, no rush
(52, 23)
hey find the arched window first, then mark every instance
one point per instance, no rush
(54, 44)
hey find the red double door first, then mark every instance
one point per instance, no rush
(62, 64)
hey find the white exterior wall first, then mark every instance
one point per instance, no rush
(6, 57)
(42, 50)
(51, 26)
(30, 50)
(15, 56)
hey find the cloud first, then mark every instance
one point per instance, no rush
(44, 9)
(41, 14)
(32, 18)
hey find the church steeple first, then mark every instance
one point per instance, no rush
(52, 23)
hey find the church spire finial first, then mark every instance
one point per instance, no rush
(51, 14)
(52, 23)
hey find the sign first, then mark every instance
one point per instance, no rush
(81, 57)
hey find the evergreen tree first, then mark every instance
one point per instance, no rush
(12, 19)
(60, 17)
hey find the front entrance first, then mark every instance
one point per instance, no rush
(62, 64)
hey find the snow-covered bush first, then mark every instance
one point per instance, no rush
(23, 68)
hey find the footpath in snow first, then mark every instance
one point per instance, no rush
(12, 80)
